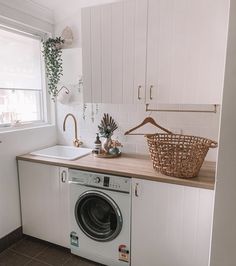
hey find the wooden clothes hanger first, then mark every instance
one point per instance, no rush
(146, 121)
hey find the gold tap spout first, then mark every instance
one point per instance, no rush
(76, 141)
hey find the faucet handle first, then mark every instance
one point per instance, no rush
(77, 143)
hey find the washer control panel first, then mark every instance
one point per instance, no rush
(98, 180)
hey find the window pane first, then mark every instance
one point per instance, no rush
(20, 61)
(22, 105)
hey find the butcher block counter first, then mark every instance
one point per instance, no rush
(137, 166)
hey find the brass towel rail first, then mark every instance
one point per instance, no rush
(214, 110)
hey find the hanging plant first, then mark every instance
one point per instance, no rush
(52, 53)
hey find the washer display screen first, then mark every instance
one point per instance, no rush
(106, 181)
(98, 216)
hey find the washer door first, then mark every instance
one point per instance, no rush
(98, 216)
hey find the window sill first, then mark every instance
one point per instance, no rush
(22, 127)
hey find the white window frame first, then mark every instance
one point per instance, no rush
(47, 108)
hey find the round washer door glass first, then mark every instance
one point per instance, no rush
(98, 216)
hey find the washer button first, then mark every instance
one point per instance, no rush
(97, 179)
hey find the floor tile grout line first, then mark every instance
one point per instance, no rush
(17, 243)
(30, 258)
(45, 248)
(38, 260)
(67, 261)
(26, 255)
(35, 258)
(19, 253)
(28, 262)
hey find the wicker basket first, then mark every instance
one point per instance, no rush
(178, 155)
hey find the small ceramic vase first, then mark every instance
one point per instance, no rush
(106, 144)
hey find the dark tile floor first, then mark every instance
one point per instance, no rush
(33, 252)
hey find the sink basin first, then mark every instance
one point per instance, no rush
(62, 152)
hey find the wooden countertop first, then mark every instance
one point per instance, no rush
(131, 166)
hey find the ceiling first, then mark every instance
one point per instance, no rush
(58, 4)
(60, 8)
(50, 4)
(63, 8)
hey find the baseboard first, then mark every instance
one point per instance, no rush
(10, 239)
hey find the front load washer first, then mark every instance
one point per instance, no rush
(100, 213)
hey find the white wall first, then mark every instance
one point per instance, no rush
(128, 116)
(224, 226)
(19, 142)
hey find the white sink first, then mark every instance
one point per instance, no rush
(62, 152)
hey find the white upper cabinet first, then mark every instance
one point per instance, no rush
(186, 50)
(114, 40)
(155, 51)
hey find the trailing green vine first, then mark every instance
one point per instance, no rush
(52, 53)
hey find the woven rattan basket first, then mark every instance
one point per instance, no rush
(178, 155)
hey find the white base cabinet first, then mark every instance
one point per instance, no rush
(171, 224)
(44, 192)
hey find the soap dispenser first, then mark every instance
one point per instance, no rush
(97, 145)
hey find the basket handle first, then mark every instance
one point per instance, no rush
(213, 144)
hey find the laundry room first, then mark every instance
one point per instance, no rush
(117, 132)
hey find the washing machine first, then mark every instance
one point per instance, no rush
(100, 214)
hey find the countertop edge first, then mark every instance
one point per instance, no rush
(163, 179)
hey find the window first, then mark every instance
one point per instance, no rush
(21, 80)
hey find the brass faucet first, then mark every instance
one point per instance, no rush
(76, 141)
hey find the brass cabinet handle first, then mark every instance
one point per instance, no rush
(139, 90)
(63, 176)
(151, 92)
(136, 190)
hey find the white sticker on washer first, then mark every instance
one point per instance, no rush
(74, 239)
(123, 253)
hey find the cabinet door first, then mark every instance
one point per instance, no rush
(140, 49)
(43, 202)
(114, 52)
(171, 224)
(86, 54)
(186, 51)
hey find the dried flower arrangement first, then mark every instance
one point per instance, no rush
(107, 126)
(106, 130)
